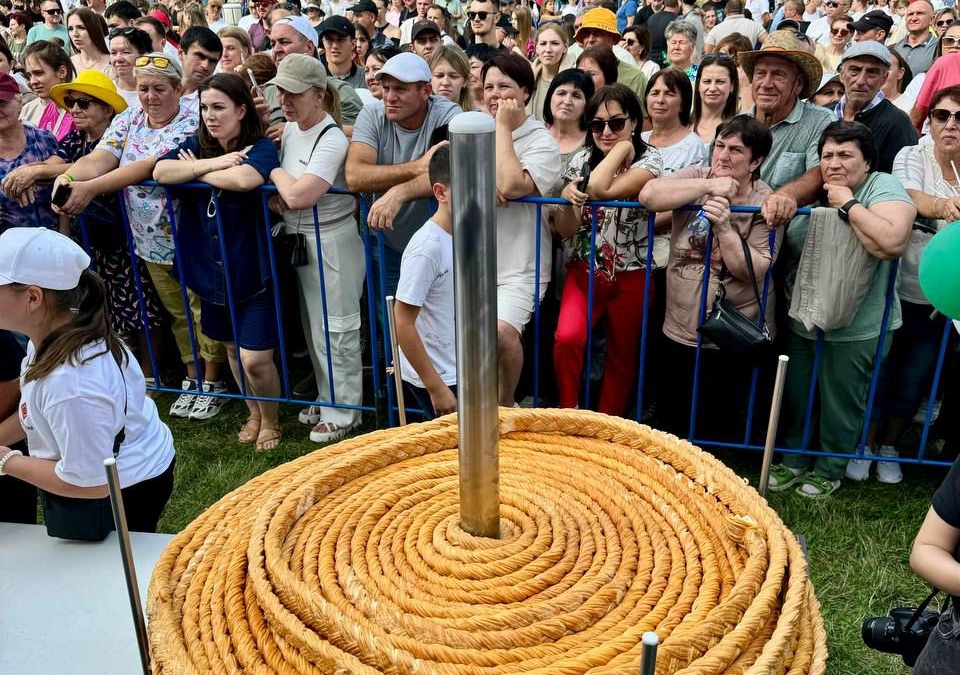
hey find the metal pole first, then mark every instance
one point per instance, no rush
(773, 423)
(395, 348)
(473, 183)
(129, 569)
(648, 660)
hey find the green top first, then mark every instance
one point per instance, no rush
(41, 32)
(877, 188)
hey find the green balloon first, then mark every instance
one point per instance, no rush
(940, 270)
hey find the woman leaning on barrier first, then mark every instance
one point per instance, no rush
(231, 154)
(880, 215)
(82, 395)
(312, 154)
(732, 179)
(620, 164)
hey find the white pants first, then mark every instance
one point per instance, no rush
(344, 270)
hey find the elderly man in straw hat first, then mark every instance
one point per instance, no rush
(782, 75)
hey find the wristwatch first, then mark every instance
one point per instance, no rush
(844, 211)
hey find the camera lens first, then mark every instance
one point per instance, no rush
(881, 633)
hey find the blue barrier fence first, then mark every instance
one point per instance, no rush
(378, 353)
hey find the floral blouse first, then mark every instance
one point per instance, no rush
(621, 232)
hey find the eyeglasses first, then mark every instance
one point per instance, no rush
(82, 103)
(944, 23)
(616, 124)
(839, 32)
(53, 12)
(949, 42)
(158, 61)
(941, 116)
(482, 16)
(126, 31)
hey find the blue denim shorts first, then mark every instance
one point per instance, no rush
(256, 322)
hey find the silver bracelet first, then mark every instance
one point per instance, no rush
(3, 460)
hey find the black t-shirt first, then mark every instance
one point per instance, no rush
(657, 24)
(643, 15)
(11, 357)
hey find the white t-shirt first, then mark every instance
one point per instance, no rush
(301, 153)
(73, 415)
(248, 20)
(539, 155)
(688, 151)
(426, 281)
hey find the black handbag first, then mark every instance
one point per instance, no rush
(82, 519)
(728, 328)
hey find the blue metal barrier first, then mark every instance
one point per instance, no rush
(376, 292)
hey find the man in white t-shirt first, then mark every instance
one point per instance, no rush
(425, 303)
(735, 22)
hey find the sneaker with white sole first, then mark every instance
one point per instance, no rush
(859, 469)
(206, 407)
(889, 472)
(815, 486)
(184, 403)
(782, 477)
(311, 415)
(328, 432)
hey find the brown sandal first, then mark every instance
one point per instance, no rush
(268, 439)
(250, 431)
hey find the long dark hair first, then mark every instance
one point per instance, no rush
(251, 126)
(730, 107)
(96, 28)
(628, 101)
(87, 308)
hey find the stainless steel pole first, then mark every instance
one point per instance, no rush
(129, 569)
(773, 423)
(474, 187)
(648, 658)
(395, 348)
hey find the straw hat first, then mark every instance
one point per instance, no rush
(95, 84)
(784, 43)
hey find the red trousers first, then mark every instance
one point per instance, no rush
(621, 302)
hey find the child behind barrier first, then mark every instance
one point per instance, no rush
(425, 333)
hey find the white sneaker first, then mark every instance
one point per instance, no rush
(327, 432)
(184, 403)
(889, 472)
(859, 469)
(921, 416)
(206, 407)
(311, 415)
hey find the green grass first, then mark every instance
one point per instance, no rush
(859, 540)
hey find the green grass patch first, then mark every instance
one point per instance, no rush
(858, 540)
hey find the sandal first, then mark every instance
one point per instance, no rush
(815, 486)
(782, 477)
(249, 431)
(268, 439)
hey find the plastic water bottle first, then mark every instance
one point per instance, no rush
(699, 226)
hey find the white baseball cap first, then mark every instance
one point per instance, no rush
(36, 256)
(406, 67)
(302, 26)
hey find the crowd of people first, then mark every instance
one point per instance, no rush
(852, 110)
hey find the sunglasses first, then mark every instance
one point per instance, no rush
(126, 31)
(631, 42)
(948, 42)
(82, 103)
(616, 124)
(839, 32)
(941, 116)
(944, 22)
(831, 5)
(482, 16)
(158, 61)
(53, 12)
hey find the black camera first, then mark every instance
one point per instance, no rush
(904, 632)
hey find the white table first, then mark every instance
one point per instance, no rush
(64, 608)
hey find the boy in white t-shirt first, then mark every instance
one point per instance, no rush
(425, 309)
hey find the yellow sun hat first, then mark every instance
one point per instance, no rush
(93, 83)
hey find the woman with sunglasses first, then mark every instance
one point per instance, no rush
(639, 42)
(715, 95)
(231, 154)
(840, 36)
(550, 47)
(126, 45)
(52, 26)
(621, 164)
(88, 38)
(47, 65)
(942, 20)
(125, 158)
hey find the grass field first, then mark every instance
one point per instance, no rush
(859, 540)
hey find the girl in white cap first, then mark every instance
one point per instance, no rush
(82, 395)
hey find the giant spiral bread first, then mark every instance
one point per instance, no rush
(351, 560)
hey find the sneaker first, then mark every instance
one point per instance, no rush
(184, 403)
(306, 388)
(783, 477)
(859, 469)
(311, 415)
(814, 486)
(889, 472)
(327, 432)
(921, 416)
(206, 407)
